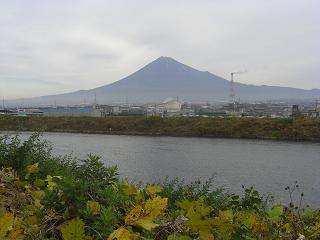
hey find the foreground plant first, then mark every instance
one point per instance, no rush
(43, 197)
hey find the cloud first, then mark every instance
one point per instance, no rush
(82, 44)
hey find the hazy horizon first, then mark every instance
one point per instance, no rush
(52, 47)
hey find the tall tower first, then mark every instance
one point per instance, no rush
(232, 94)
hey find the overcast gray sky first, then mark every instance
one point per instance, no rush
(56, 46)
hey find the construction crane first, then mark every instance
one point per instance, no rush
(232, 95)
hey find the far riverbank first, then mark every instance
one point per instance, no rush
(290, 129)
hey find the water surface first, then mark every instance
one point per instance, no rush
(268, 165)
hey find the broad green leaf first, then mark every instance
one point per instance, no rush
(74, 230)
(6, 222)
(275, 213)
(39, 183)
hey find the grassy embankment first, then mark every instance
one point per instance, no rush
(43, 197)
(298, 129)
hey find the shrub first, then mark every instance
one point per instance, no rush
(45, 197)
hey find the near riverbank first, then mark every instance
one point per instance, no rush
(293, 129)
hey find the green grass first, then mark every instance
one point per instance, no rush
(296, 129)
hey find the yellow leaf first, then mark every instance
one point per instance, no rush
(223, 227)
(153, 189)
(185, 205)
(38, 195)
(58, 177)
(130, 189)
(122, 234)
(139, 197)
(246, 219)
(224, 223)
(93, 207)
(144, 215)
(51, 184)
(156, 206)
(74, 230)
(146, 223)
(199, 224)
(134, 215)
(198, 206)
(17, 233)
(6, 222)
(226, 215)
(34, 168)
(197, 213)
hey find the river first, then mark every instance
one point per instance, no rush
(268, 165)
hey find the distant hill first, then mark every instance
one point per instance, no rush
(166, 77)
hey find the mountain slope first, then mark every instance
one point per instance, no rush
(165, 77)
